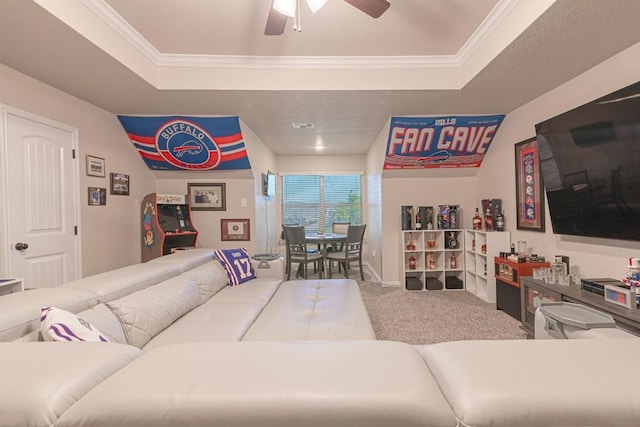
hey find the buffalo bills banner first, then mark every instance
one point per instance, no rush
(187, 143)
(439, 142)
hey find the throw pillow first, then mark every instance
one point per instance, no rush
(238, 265)
(61, 325)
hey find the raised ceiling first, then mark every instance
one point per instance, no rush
(345, 72)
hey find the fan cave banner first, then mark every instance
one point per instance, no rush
(187, 143)
(440, 142)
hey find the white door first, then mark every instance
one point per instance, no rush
(42, 209)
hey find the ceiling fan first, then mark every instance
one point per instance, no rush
(282, 9)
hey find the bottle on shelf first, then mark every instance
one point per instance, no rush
(431, 240)
(453, 219)
(488, 220)
(412, 262)
(418, 221)
(558, 270)
(411, 246)
(477, 220)
(499, 221)
(432, 261)
(453, 263)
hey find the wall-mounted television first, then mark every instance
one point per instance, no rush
(590, 162)
(269, 184)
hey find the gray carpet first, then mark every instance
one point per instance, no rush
(428, 317)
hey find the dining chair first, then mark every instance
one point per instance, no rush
(352, 250)
(297, 252)
(338, 228)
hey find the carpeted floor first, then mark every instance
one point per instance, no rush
(428, 317)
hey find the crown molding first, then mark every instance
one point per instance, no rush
(102, 10)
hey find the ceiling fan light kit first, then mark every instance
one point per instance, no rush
(286, 7)
(289, 7)
(282, 9)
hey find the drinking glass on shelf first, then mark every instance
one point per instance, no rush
(538, 273)
(564, 279)
(549, 277)
(575, 275)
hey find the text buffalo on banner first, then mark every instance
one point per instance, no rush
(439, 142)
(191, 143)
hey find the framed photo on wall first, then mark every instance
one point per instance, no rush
(119, 184)
(97, 196)
(234, 229)
(529, 187)
(207, 197)
(95, 166)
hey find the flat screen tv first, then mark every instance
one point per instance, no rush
(590, 162)
(269, 184)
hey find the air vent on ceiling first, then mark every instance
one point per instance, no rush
(302, 125)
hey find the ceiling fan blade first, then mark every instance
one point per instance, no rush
(276, 22)
(373, 8)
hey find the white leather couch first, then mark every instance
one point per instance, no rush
(190, 351)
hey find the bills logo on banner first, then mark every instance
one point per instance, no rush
(439, 142)
(191, 143)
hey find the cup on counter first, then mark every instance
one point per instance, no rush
(522, 247)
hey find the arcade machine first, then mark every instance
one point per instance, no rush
(166, 225)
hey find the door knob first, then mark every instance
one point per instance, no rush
(21, 246)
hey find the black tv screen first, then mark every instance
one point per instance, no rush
(590, 162)
(167, 218)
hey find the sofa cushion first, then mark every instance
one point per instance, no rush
(42, 380)
(185, 260)
(268, 384)
(123, 281)
(210, 278)
(532, 383)
(224, 317)
(60, 325)
(21, 310)
(145, 313)
(238, 264)
(314, 310)
(106, 321)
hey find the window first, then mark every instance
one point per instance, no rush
(317, 201)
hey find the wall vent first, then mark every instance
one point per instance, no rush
(302, 125)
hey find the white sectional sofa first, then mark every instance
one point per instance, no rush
(188, 350)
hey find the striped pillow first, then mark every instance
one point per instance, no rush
(238, 265)
(60, 325)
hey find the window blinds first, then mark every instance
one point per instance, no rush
(317, 201)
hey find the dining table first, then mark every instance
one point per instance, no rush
(323, 240)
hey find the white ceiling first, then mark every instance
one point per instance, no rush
(345, 72)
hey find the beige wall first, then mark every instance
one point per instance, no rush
(375, 161)
(111, 233)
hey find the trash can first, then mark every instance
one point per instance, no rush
(564, 320)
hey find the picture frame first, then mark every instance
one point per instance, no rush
(97, 196)
(95, 166)
(207, 196)
(234, 230)
(119, 184)
(529, 187)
